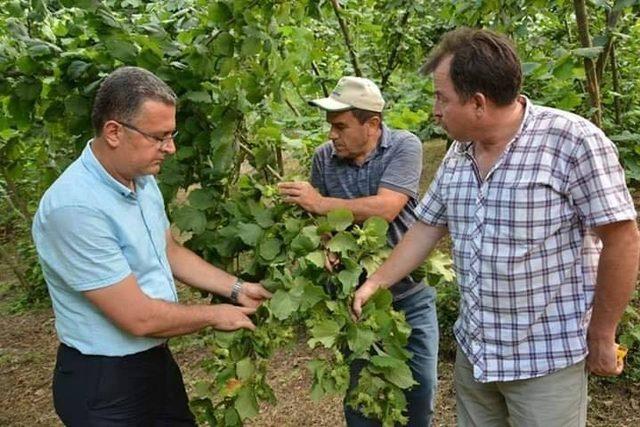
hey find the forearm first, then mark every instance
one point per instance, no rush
(362, 207)
(192, 270)
(617, 274)
(163, 319)
(412, 250)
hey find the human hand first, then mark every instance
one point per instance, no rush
(362, 295)
(303, 194)
(227, 317)
(602, 359)
(252, 295)
(331, 260)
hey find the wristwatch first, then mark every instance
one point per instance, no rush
(235, 290)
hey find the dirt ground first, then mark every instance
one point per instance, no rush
(27, 353)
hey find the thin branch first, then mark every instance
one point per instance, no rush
(391, 62)
(612, 22)
(271, 170)
(8, 260)
(347, 38)
(616, 85)
(317, 71)
(589, 65)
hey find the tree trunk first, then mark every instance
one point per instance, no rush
(593, 87)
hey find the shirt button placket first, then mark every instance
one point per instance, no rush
(475, 268)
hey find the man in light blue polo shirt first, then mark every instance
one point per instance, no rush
(109, 261)
(373, 170)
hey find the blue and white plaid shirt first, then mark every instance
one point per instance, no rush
(524, 256)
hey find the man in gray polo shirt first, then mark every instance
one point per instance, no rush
(374, 171)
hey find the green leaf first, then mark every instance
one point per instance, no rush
(342, 242)
(188, 218)
(395, 371)
(324, 333)
(249, 233)
(588, 52)
(199, 96)
(202, 198)
(282, 304)
(359, 338)
(317, 258)
(77, 68)
(270, 248)
(121, 49)
(349, 279)
(340, 219)
(245, 369)
(246, 404)
(223, 44)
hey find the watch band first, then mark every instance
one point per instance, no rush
(235, 290)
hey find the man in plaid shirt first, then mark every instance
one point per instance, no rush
(545, 242)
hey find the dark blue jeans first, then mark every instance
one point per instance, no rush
(420, 311)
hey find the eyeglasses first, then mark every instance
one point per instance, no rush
(162, 141)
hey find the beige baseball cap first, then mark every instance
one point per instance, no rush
(352, 92)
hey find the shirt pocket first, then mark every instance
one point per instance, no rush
(530, 212)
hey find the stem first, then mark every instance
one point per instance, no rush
(347, 38)
(268, 167)
(8, 260)
(16, 202)
(590, 67)
(315, 69)
(616, 85)
(612, 22)
(391, 62)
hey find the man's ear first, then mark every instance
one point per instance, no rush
(374, 122)
(479, 103)
(111, 131)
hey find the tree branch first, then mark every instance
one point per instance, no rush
(589, 65)
(316, 70)
(612, 22)
(391, 62)
(347, 38)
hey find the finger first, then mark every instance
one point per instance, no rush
(247, 324)
(357, 307)
(246, 310)
(265, 293)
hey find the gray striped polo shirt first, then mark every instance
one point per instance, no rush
(395, 164)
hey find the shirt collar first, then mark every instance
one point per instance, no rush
(93, 165)
(462, 147)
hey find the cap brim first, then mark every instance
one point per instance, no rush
(330, 104)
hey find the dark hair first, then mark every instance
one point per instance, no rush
(482, 61)
(123, 92)
(363, 115)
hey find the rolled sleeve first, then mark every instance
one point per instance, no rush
(432, 209)
(78, 245)
(597, 184)
(403, 172)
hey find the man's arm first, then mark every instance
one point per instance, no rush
(617, 274)
(386, 204)
(134, 312)
(406, 257)
(192, 270)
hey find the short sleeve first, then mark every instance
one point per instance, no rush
(597, 184)
(403, 172)
(316, 178)
(78, 245)
(432, 209)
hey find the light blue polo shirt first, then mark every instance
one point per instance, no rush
(91, 232)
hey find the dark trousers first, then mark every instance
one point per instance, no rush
(142, 389)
